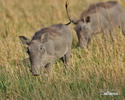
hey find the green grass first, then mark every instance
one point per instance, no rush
(101, 66)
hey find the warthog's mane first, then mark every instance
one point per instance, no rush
(93, 8)
(52, 32)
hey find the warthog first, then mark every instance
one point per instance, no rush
(101, 17)
(47, 45)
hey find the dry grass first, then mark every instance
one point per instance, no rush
(100, 67)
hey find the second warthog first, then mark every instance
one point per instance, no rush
(101, 17)
(47, 45)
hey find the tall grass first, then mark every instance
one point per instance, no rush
(101, 66)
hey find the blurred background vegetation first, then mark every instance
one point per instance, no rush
(101, 66)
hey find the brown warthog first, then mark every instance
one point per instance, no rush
(101, 17)
(47, 45)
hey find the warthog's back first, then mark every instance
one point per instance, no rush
(58, 30)
(93, 8)
(104, 14)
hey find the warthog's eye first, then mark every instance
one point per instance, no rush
(87, 19)
(42, 48)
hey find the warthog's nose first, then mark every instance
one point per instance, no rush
(34, 73)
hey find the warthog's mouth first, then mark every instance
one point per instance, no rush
(34, 73)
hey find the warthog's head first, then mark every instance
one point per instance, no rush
(83, 30)
(37, 54)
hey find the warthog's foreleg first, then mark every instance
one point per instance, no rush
(123, 29)
(65, 58)
(107, 33)
(47, 68)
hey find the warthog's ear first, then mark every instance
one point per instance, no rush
(24, 40)
(44, 37)
(88, 19)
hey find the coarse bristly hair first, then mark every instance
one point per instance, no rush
(93, 8)
(52, 31)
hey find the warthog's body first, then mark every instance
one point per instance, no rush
(47, 45)
(101, 17)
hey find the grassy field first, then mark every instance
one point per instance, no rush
(100, 67)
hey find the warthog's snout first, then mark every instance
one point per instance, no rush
(35, 72)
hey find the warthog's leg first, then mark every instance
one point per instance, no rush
(47, 68)
(66, 57)
(123, 29)
(122, 26)
(78, 36)
(112, 35)
(88, 41)
(105, 35)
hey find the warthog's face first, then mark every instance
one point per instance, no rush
(37, 55)
(82, 29)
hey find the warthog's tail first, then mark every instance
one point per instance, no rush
(66, 6)
(70, 20)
